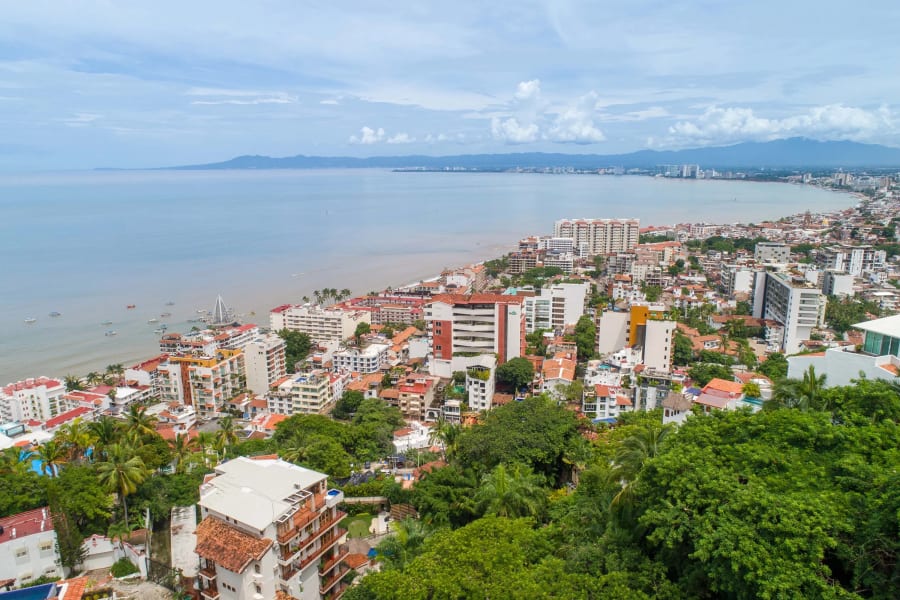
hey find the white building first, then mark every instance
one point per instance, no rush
(269, 526)
(555, 307)
(369, 359)
(599, 236)
(737, 279)
(414, 436)
(304, 393)
(32, 399)
(28, 547)
(879, 357)
(203, 382)
(772, 252)
(791, 301)
(264, 362)
(321, 324)
(835, 283)
(474, 324)
(854, 259)
(480, 371)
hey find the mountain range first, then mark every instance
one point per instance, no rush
(792, 153)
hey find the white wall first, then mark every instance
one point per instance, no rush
(612, 332)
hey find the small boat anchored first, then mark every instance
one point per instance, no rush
(130, 306)
(153, 320)
(170, 303)
(166, 314)
(30, 320)
(55, 314)
(111, 333)
(106, 323)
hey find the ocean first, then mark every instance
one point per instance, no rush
(87, 244)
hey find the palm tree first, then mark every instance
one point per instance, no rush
(803, 394)
(446, 435)
(634, 452)
(345, 294)
(122, 472)
(93, 378)
(77, 438)
(119, 531)
(226, 435)
(397, 550)
(52, 454)
(139, 421)
(513, 493)
(73, 383)
(206, 441)
(318, 296)
(183, 447)
(116, 370)
(13, 462)
(305, 299)
(105, 432)
(295, 452)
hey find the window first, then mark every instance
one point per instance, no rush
(257, 568)
(258, 588)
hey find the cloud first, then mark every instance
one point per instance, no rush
(215, 96)
(528, 90)
(367, 135)
(329, 102)
(575, 124)
(510, 131)
(832, 121)
(80, 119)
(401, 138)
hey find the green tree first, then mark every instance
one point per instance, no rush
(227, 435)
(703, 373)
(752, 390)
(139, 422)
(347, 404)
(398, 550)
(52, 455)
(514, 492)
(81, 497)
(683, 350)
(361, 330)
(775, 366)
(652, 293)
(122, 472)
(842, 313)
(73, 383)
(517, 373)
(805, 393)
(585, 337)
(446, 496)
(296, 347)
(446, 435)
(183, 448)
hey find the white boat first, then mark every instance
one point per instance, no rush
(30, 320)
(154, 320)
(106, 323)
(111, 332)
(159, 331)
(55, 314)
(166, 314)
(170, 303)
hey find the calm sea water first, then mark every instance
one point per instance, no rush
(88, 244)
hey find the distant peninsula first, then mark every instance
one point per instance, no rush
(793, 153)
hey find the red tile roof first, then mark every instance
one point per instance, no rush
(477, 299)
(355, 561)
(723, 385)
(74, 588)
(25, 524)
(67, 416)
(227, 546)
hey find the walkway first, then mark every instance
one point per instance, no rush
(184, 539)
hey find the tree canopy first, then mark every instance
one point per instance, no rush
(516, 372)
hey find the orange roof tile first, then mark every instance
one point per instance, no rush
(229, 547)
(355, 561)
(723, 385)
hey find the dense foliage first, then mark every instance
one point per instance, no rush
(516, 373)
(296, 347)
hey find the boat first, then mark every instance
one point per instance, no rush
(111, 332)
(202, 311)
(166, 314)
(170, 303)
(30, 320)
(130, 306)
(106, 323)
(159, 331)
(55, 314)
(153, 320)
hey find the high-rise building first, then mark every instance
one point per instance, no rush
(270, 528)
(644, 326)
(599, 236)
(474, 324)
(321, 324)
(793, 302)
(772, 252)
(853, 259)
(32, 399)
(304, 393)
(264, 360)
(555, 307)
(201, 381)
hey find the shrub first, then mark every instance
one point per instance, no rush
(123, 567)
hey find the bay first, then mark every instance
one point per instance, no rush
(87, 244)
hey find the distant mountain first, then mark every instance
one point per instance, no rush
(779, 154)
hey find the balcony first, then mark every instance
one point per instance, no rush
(211, 593)
(342, 551)
(336, 592)
(333, 498)
(287, 555)
(334, 579)
(208, 573)
(326, 544)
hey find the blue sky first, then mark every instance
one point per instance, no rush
(121, 84)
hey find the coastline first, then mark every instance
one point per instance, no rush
(259, 287)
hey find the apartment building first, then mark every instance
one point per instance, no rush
(835, 283)
(522, 261)
(321, 324)
(474, 324)
(772, 252)
(264, 361)
(599, 236)
(791, 301)
(387, 308)
(414, 396)
(854, 260)
(604, 402)
(203, 382)
(369, 359)
(564, 261)
(305, 393)
(737, 279)
(555, 306)
(642, 326)
(270, 529)
(33, 399)
(28, 547)
(480, 371)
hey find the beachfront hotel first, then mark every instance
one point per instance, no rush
(321, 324)
(201, 381)
(270, 529)
(599, 236)
(33, 399)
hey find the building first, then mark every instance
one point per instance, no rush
(599, 236)
(835, 283)
(480, 371)
(737, 280)
(791, 301)
(371, 358)
(264, 361)
(203, 382)
(555, 307)
(852, 259)
(878, 358)
(474, 324)
(643, 326)
(414, 396)
(270, 527)
(305, 393)
(33, 399)
(28, 547)
(604, 402)
(556, 374)
(387, 308)
(772, 252)
(321, 324)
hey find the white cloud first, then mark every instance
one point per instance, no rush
(510, 131)
(833, 121)
(528, 90)
(214, 96)
(80, 119)
(328, 102)
(367, 135)
(401, 138)
(575, 124)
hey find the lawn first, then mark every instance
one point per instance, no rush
(357, 525)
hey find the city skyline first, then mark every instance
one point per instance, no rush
(89, 84)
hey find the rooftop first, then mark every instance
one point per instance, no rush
(227, 546)
(24, 524)
(255, 492)
(889, 326)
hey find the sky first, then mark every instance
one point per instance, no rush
(87, 84)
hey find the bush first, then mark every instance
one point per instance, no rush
(123, 567)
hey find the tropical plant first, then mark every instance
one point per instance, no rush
(105, 431)
(396, 551)
(121, 473)
(52, 455)
(227, 436)
(634, 451)
(76, 437)
(804, 394)
(73, 383)
(183, 448)
(514, 492)
(140, 422)
(446, 435)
